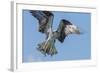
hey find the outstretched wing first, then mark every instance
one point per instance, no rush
(65, 28)
(45, 19)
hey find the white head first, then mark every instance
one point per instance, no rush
(71, 29)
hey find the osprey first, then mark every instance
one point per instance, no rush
(45, 20)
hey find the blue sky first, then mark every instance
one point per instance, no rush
(75, 47)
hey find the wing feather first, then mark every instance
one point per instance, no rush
(61, 34)
(44, 18)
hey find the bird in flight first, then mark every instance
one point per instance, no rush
(45, 21)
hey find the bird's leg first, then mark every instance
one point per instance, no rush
(48, 46)
(53, 49)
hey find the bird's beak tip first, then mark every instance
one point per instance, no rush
(78, 32)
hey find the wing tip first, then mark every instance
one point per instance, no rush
(48, 13)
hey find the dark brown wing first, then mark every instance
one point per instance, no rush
(61, 35)
(43, 18)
